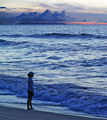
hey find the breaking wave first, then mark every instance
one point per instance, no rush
(57, 35)
(67, 94)
(12, 43)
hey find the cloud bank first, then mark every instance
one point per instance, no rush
(49, 17)
(4, 8)
(44, 17)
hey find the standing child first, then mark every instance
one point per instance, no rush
(30, 90)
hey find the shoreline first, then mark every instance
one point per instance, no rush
(40, 106)
(15, 113)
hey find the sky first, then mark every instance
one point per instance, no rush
(84, 6)
(90, 9)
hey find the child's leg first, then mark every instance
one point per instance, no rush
(31, 103)
(28, 103)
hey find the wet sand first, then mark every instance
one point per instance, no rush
(8, 113)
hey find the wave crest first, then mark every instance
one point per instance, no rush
(57, 35)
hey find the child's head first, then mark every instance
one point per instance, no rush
(30, 74)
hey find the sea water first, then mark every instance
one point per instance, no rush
(69, 61)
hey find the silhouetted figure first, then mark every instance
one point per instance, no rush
(30, 90)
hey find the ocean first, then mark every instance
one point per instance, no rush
(69, 61)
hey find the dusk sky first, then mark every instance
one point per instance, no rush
(77, 8)
(92, 6)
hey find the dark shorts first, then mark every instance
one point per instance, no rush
(30, 94)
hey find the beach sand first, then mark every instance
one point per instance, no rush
(8, 113)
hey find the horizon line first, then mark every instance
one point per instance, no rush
(86, 23)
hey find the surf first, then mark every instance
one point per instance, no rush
(57, 35)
